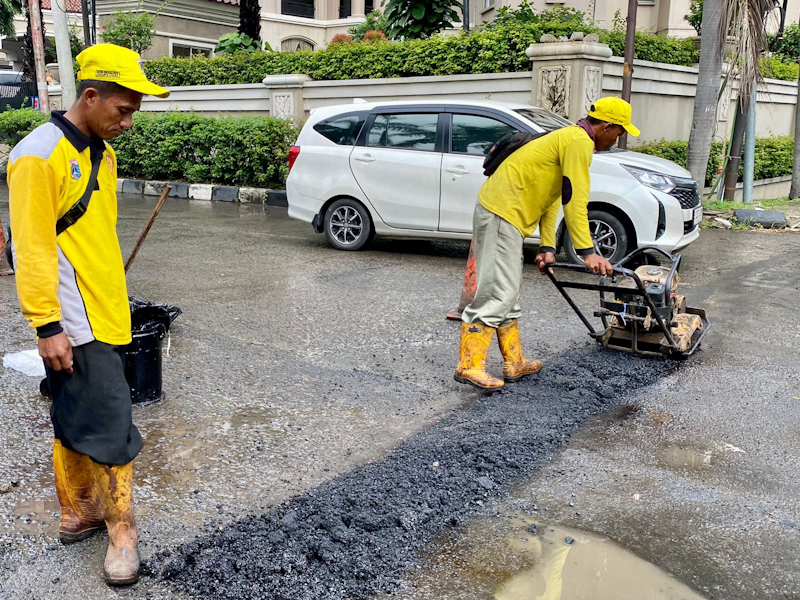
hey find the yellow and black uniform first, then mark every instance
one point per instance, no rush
(520, 195)
(74, 281)
(526, 187)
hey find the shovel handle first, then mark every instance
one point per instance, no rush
(147, 227)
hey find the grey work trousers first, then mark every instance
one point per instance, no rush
(498, 266)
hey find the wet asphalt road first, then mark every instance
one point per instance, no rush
(294, 365)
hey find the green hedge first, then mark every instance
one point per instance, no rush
(773, 156)
(497, 49)
(245, 151)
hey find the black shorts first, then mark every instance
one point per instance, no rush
(91, 409)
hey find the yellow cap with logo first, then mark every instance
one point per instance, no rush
(109, 62)
(614, 110)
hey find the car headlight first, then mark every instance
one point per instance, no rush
(658, 181)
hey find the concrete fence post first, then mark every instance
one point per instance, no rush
(286, 96)
(567, 73)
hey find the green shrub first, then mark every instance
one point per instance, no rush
(655, 48)
(496, 48)
(775, 68)
(245, 151)
(773, 156)
(16, 124)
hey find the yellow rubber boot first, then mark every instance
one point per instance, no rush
(515, 365)
(476, 339)
(115, 483)
(81, 514)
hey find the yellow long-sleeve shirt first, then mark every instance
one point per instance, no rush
(527, 185)
(75, 281)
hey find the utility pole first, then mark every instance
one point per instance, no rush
(66, 74)
(627, 67)
(750, 146)
(794, 192)
(38, 55)
(87, 33)
(466, 14)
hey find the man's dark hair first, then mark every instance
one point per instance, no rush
(104, 88)
(593, 121)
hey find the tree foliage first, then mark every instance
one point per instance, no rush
(250, 19)
(375, 21)
(130, 29)
(411, 19)
(8, 10)
(695, 15)
(231, 43)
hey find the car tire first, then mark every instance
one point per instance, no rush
(613, 238)
(348, 225)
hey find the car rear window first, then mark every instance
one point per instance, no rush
(342, 130)
(408, 131)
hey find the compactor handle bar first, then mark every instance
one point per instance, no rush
(602, 287)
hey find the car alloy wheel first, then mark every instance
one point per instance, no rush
(346, 225)
(605, 239)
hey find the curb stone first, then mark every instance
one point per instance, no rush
(205, 192)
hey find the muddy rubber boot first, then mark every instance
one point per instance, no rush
(515, 365)
(115, 483)
(476, 339)
(81, 514)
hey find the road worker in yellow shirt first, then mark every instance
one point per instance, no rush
(520, 195)
(62, 181)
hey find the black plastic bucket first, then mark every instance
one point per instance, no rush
(143, 364)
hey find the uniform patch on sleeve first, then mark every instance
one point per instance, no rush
(566, 190)
(75, 170)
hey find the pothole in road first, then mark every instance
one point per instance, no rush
(517, 558)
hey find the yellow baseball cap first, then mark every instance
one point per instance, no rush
(616, 111)
(109, 62)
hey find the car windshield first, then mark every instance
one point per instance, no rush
(544, 118)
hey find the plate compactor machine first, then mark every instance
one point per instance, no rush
(640, 309)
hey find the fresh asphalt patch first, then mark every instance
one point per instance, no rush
(359, 533)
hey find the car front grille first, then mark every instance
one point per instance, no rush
(686, 192)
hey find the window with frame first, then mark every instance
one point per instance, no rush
(475, 135)
(188, 51)
(341, 130)
(406, 131)
(296, 45)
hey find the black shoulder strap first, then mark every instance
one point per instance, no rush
(80, 207)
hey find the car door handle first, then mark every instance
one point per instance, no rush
(366, 158)
(458, 170)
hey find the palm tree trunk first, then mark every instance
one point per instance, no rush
(708, 84)
(250, 18)
(737, 141)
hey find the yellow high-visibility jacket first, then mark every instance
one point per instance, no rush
(74, 282)
(527, 185)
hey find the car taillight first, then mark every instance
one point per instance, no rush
(294, 152)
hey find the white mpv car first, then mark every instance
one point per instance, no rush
(413, 170)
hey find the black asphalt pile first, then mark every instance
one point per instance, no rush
(359, 533)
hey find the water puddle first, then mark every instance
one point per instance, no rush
(691, 459)
(520, 558)
(568, 564)
(687, 458)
